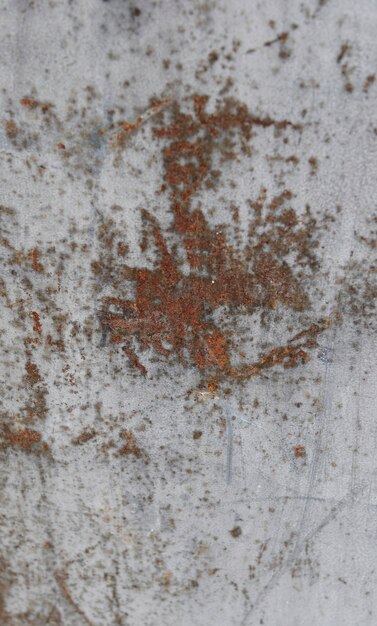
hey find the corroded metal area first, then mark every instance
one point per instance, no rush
(188, 259)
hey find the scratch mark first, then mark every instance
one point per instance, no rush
(302, 535)
(229, 451)
(292, 558)
(354, 472)
(282, 38)
(61, 580)
(315, 467)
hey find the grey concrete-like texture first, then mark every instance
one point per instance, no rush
(133, 491)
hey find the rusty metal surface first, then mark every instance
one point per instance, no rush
(188, 257)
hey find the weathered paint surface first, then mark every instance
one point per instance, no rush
(187, 282)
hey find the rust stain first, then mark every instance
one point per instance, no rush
(24, 439)
(172, 311)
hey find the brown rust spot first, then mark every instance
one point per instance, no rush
(34, 257)
(32, 374)
(11, 129)
(313, 162)
(368, 82)
(24, 438)
(37, 326)
(32, 103)
(36, 407)
(300, 452)
(130, 446)
(84, 437)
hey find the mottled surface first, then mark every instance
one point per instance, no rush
(187, 280)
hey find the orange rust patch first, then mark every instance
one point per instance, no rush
(172, 311)
(24, 439)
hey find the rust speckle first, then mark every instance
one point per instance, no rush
(85, 436)
(34, 257)
(32, 374)
(37, 326)
(236, 532)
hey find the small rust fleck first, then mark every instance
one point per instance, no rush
(31, 103)
(368, 82)
(300, 452)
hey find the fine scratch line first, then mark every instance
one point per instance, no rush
(229, 457)
(292, 558)
(61, 580)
